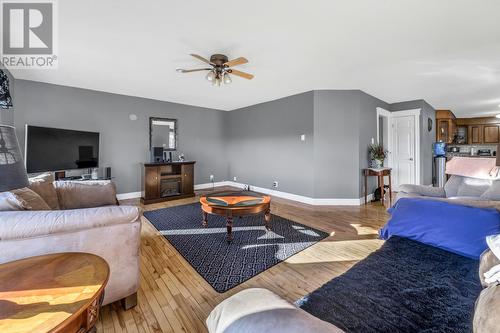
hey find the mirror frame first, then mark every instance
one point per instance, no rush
(151, 119)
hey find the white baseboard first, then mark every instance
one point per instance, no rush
(210, 185)
(303, 199)
(279, 194)
(129, 195)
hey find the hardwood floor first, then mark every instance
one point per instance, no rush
(174, 298)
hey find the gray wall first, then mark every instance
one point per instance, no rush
(427, 138)
(264, 144)
(367, 132)
(336, 137)
(7, 115)
(345, 121)
(257, 144)
(124, 143)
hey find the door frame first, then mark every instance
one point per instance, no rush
(390, 135)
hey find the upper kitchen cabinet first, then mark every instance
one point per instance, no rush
(482, 130)
(490, 134)
(446, 126)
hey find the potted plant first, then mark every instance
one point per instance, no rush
(377, 155)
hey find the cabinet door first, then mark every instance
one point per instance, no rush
(187, 178)
(475, 134)
(151, 186)
(443, 130)
(490, 134)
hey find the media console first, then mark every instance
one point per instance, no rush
(167, 181)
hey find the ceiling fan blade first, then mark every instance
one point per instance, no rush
(181, 70)
(202, 59)
(242, 74)
(235, 62)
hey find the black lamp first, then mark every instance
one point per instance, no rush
(12, 171)
(5, 99)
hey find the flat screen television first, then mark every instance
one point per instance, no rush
(54, 149)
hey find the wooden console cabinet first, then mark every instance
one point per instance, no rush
(167, 181)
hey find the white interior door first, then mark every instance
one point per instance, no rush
(403, 150)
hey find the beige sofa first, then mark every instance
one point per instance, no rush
(109, 231)
(259, 310)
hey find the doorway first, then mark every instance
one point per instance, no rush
(399, 133)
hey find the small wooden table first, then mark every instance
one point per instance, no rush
(52, 293)
(235, 204)
(379, 173)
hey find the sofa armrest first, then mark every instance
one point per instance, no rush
(28, 224)
(259, 310)
(486, 262)
(421, 190)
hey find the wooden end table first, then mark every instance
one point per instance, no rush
(232, 204)
(379, 173)
(52, 293)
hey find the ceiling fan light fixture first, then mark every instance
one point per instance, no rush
(227, 79)
(210, 76)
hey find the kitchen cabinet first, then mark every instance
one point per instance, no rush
(490, 134)
(475, 134)
(446, 126)
(481, 130)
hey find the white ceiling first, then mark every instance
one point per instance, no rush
(446, 52)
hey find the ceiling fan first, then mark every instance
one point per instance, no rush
(220, 70)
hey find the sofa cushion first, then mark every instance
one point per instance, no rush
(486, 314)
(492, 193)
(44, 187)
(32, 199)
(258, 310)
(11, 202)
(472, 187)
(85, 194)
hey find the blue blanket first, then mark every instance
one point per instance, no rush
(455, 228)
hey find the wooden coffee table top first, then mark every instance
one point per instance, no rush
(235, 199)
(41, 293)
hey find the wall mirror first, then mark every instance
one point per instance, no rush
(162, 133)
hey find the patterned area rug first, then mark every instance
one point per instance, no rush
(252, 251)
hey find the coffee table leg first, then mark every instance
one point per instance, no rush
(205, 219)
(229, 227)
(267, 218)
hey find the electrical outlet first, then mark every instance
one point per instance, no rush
(234, 178)
(275, 183)
(211, 178)
(303, 137)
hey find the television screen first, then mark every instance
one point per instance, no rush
(53, 149)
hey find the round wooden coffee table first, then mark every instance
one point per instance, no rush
(52, 293)
(232, 204)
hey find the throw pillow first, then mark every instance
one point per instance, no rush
(85, 194)
(44, 187)
(31, 198)
(10, 202)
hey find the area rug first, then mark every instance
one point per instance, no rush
(405, 286)
(225, 265)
